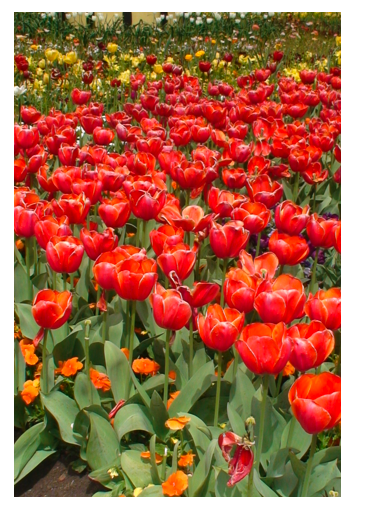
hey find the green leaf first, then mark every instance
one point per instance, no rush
(242, 392)
(20, 367)
(35, 460)
(300, 440)
(199, 433)
(117, 368)
(103, 445)
(64, 410)
(326, 455)
(21, 286)
(159, 415)
(286, 484)
(298, 466)
(138, 472)
(152, 492)
(237, 424)
(19, 412)
(64, 349)
(26, 446)
(84, 392)
(200, 476)
(321, 476)
(133, 417)
(276, 467)
(262, 488)
(154, 470)
(27, 324)
(174, 457)
(192, 391)
(103, 477)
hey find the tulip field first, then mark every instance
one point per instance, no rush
(177, 252)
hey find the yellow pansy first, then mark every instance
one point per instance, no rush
(200, 53)
(112, 48)
(70, 58)
(158, 68)
(51, 54)
(188, 57)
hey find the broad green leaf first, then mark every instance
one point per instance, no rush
(85, 392)
(263, 489)
(242, 391)
(133, 417)
(154, 470)
(199, 433)
(298, 466)
(35, 460)
(174, 457)
(21, 285)
(64, 410)
(26, 446)
(152, 492)
(237, 424)
(276, 467)
(19, 368)
(137, 471)
(19, 412)
(321, 475)
(63, 350)
(159, 415)
(103, 445)
(27, 324)
(295, 437)
(286, 484)
(103, 476)
(326, 455)
(117, 368)
(192, 391)
(198, 481)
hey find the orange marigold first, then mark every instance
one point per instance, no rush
(147, 455)
(100, 380)
(177, 423)
(173, 395)
(28, 350)
(186, 460)
(145, 366)
(176, 484)
(30, 391)
(69, 367)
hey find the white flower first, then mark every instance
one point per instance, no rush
(174, 20)
(243, 15)
(158, 20)
(232, 15)
(93, 18)
(209, 20)
(18, 91)
(186, 15)
(163, 17)
(169, 17)
(74, 14)
(271, 14)
(198, 14)
(192, 19)
(43, 15)
(265, 16)
(116, 15)
(68, 16)
(100, 16)
(179, 15)
(217, 16)
(238, 21)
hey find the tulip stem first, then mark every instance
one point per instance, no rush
(197, 272)
(98, 292)
(64, 281)
(45, 363)
(54, 280)
(144, 230)
(265, 388)
(127, 314)
(27, 261)
(281, 270)
(218, 392)
(224, 270)
(86, 349)
(235, 363)
(138, 231)
(131, 332)
(258, 245)
(167, 363)
(314, 198)
(308, 469)
(278, 385)
(104, 328)
(314, 268)
(191, 348)
(296, 187)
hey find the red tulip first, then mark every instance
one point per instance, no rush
(165, 235)
(220, 328)
(261, 189)
(146, 199)
(189, 175)
(26, 137)
(180, 134)
(314, 174)
(89, 122)
(262, 349)
(103, 136)
(104, 266)
(205, 66)
(115, 213)
(307, 77)
(337, 236)
(170, 311)
(239, 290)
(20, 170)
(229, 239)
(135, 277)
(316, 401)
(73, 206)
(178, 258)
(234, 178)
(80, 97)
(29, 114)
(262, 267)
(291, 218)
(64, 253)
(68, 154)
(255, 216)
(25, 220)
(290, 250)
(191, 220)
(299, 159)
(51, 309)
(321, 231)
(48, 226)
(202, 293)
(325, 306)
(96, 243)
(223, 202)
(311, 345)
(241, 462)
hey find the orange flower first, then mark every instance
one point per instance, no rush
(19, 245)
(288, 369)
(69, 367)
(173, 395)
(175, 484)
(147, 455)
(30, 391)
(172, 375)
(100, 380)
(38, 370)
(177, 423)
(186, 460)
(28, 349)
(125, 352)
(145, 366)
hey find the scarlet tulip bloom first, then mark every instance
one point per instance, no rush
(314, 174)
(239, 290)
(262, 267)
(135, 277)
(116, 212)
(291, 218)
(96, 243)
(89, 185)
(234, 178)
(64, 253)
(307, 76)
(63, 178)
(281, 300)
(337, 236)
(89, 122)
(20, 170)
(80, 97)
(178, 258)
(227, 240)
(299, 159)
(220, 328)
(48, 226)
(192, 218)
(146, 199)
(68, 154)
(262, 349)
(103, 136)
(51, 309)
(325, 306)
(255, 216)
(73, 206)
(165, 235)
(316, 401)
(25, 220)
(223, 202)
(170, 311)
(321, 231)
(205, 66)
(290, 250)
(180, 134)
(239, 151)
(202, 293)
(241, 462)
(200, 133)
(112, 180)
(29, 114)
(311, 345)
(261, 189)
(26, 137)
(189, 175)
(104, 266)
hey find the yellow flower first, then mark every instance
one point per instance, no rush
(34, 47)
(214, 42)
(51, 54)
(70, 58)
(42, 63)
(217, 55)
(200, 53)
(338, 41)
(137, 491)
(112, 48)
(222, 64)
(126, 57)
(170, 60)
(39, 71)
(158, 68)
(153, 76)
(188, 57)
(46, 78)
(135, 62)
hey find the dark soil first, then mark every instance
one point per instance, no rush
(55, 478)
